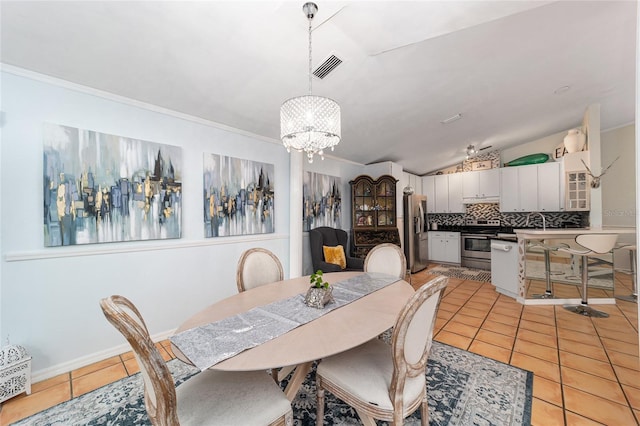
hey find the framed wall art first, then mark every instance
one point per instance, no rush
(105, 188)
(238, 196)
(321, 201)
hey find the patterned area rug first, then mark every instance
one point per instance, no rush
(463, 389)
(461, 272)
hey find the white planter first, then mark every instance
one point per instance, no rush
(574, 141)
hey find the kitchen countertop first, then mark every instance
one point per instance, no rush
(538, 233)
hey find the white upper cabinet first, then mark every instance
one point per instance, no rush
(429, 189)
(550, 188)
(531, 188)
(456, 204)
(444, 193)
(481, 186)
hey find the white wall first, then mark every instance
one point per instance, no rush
(49, 296)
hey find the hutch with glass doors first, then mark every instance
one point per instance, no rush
(374, 213)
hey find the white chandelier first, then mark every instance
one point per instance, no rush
(310, 123)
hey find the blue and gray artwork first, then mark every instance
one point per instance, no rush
(105, 188)
(321, 201)
(238, 196)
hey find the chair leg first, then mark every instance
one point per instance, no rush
(368, 420)
(424, 413)
(634, 296)
(548, 294)
(319, 402)
(583, 308)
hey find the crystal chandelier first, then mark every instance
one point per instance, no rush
(310, 123)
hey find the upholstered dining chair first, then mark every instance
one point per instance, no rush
(386, 258)
(382, 381)
(210, 397)
(256, 267)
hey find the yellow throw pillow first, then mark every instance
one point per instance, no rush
(335, 255)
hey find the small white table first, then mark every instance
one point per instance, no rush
(337, 331)
(555, 233)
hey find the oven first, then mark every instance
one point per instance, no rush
(475, 244)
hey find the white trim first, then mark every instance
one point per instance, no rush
(83, 361)
(61, 252)
(11, 69)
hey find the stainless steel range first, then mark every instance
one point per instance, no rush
(476, 242)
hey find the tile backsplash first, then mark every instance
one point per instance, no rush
(515, 220)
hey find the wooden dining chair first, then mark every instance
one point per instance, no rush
(382, 381)
(256, 267)
(210, 397)
(386, 258)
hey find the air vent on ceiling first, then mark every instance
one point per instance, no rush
(327, 66)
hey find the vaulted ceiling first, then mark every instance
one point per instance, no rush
(515, 71)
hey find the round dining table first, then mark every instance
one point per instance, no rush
(337, 331)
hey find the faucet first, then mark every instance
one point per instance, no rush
(544, 223)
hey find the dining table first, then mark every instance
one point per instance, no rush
(336, 331)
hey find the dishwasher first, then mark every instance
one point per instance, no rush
(504, 267)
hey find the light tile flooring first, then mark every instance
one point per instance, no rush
(586, 371)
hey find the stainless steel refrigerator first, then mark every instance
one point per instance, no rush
(416, 241)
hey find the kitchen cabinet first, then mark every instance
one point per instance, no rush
(444, 246)
(577, 191)
(429, 189)
(531, 188)
(447, 195)
(481, 186)
(374, 207)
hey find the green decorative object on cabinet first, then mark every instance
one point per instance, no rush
(528, 159)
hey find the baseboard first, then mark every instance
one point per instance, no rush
(66, 367)
(592, 301)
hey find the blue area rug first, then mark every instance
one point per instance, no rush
(463, 389)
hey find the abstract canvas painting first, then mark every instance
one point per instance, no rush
(321, 201)
(238, 196)
(105, 188)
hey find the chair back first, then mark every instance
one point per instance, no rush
(597, 243)
(386, 258)
(159, 388)
(256, 267)
(411, 343)
(326, 236)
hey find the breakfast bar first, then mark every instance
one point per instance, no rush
(538, 234)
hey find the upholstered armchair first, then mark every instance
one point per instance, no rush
(331, 237)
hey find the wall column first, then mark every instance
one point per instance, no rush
(295, 213)
(591, 123)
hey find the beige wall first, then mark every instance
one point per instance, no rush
(545, 145)
(618, 185)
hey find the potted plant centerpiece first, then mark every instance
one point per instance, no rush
(319, 294)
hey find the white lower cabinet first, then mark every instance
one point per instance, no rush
(444, 246)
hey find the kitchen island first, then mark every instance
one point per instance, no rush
(538, 234)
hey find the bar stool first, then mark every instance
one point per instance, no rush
(593, 244)
(633, 261)
(547, 248)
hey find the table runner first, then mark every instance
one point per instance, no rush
(209, 344)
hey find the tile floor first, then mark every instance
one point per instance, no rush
(586, 371)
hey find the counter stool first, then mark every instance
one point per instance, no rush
(593, 244)
(548, 293)
(632, 255)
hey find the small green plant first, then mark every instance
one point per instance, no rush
(317, 281)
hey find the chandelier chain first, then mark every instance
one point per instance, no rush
(310, 53)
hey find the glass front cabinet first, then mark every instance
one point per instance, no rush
(373, 213)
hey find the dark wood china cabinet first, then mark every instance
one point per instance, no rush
(374, 213)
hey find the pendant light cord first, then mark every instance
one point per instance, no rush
(310, 18)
